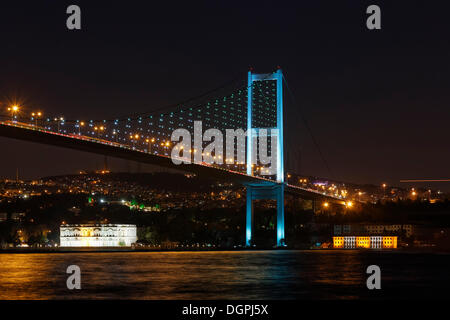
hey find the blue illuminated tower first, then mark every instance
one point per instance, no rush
(265, 189)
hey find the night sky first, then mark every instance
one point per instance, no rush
(376, 101)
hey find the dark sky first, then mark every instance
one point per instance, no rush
(376, 101)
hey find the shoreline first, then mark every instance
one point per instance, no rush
(129, 249)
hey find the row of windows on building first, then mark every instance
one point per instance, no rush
(365, 242)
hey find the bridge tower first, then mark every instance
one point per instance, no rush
(266, 189)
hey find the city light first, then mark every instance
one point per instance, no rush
(13, 109)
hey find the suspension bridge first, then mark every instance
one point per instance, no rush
(148, 138)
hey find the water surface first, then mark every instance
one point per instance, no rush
(324, 274)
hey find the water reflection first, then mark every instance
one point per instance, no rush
(220, 275)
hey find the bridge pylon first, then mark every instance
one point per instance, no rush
(265, 189)
(259, 192)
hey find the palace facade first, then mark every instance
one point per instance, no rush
(97, 235)
(365, 242)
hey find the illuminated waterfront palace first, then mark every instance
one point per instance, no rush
(365, 242)
(97, 235)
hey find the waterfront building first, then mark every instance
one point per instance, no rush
(97, 235)
(365, 242)
(407, 229)
(373, 229)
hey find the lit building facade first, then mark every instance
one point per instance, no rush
(365, 242)
(374, 229)
(97, 235)
(397, 228)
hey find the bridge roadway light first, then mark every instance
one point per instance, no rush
(149, 141)
(98, 129)
(134, 138)
(58, 121)
(13, 109)
(36, 116)
(81, 124)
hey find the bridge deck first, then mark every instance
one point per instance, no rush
(37, 134)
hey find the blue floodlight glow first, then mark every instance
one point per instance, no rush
(271, 192)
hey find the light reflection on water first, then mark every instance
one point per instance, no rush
(222, 275)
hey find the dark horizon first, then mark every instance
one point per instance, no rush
(377, 101)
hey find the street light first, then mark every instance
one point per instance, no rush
(149, 141)
(384, 189)
(81, 124)
(134, 139)
(13, 109)
(98, 130)
(36, 116)
(61, 119)
(115, 135)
